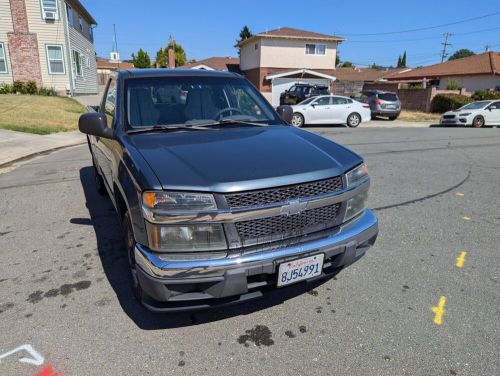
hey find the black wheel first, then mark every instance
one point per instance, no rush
(99, 182)
(478, 121)
(393, 117)
(353, 120)
(297, 120)
(129, 243)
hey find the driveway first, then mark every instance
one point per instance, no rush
(423, 301)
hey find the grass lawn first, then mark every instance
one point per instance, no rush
(37, 114)
(407, 115)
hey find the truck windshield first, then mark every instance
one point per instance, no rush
(187, 100)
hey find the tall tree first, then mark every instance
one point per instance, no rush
(403, 60)
(464, 52)
(337, 59)
(398, 65)
(142, 59)
(346, 64)
(162, 55)
(245, 33)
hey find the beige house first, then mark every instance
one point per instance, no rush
(275, 60)
(50, 42)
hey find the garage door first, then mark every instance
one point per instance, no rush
(282, 84)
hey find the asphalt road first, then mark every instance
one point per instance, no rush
(64, 286)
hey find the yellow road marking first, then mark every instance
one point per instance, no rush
(459, 194)
(465, 218)
(439, 311)
(461, 259)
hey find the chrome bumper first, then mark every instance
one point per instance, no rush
(350, 236)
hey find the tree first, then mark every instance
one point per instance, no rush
(347, 64)
(401, 61)
(161, 60)
(337, 59)
(376, 66)
(464, 52)
(245, 33)
(142, 59)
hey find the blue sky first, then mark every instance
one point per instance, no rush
(210, 28)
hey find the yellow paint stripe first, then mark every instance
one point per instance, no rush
(461, 259)
(459, 194)
(465, 218)
(439, 311)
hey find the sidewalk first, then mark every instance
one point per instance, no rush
(17, 145)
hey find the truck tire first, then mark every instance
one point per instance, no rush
(129, 243)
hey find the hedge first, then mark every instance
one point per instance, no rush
(447, 102)
(19, 87)
(485, 95)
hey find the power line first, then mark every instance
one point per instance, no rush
(445, 45)
(428, 27)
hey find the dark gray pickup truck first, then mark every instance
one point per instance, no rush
(221, 199)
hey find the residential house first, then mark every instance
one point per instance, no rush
(106, 66)
(354, 80)
(226, 64)
(477, 72)
(275, 60)
(50, 42)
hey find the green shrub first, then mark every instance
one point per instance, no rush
(452, 85)
(5, 89)
(47, 92)
(447, 102)
(18, 87)
(31, 88)
(485, 95)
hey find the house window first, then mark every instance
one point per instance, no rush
(55, 59)
(91, 33)
(69, 10)
(49, 9)
(315, 49)
(256, 46)
(3, 60)
(77, 63)
(80, 23)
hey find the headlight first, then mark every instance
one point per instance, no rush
(357, 174)
(356, 205)
(186, 238)
(172, 201)
(465, 114)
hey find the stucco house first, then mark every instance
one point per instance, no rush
(50, 42)
(477, 72)
(274, 60)
(225, 64)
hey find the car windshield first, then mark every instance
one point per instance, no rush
(388, 97)
(475, 105)
(191, 100)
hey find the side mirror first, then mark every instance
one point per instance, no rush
(313, 105)
(286, 113)
(94, 123)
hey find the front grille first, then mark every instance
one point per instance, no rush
(448, 116)
(283, 227)
(283, 194)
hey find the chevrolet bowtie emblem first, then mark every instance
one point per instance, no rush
(293, 207)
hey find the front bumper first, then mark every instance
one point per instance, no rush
(173, 285)
(458, 120)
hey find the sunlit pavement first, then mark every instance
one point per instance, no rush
(424, 301)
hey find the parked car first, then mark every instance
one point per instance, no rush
(220, 199)
(382, 103)
(330, 109)
(476, 114)
(299, 92)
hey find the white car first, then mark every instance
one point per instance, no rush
(477, 114)
(330, 109)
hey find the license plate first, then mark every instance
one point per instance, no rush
(390, 106)
(299, 270)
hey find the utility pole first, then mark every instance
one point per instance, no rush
(445, 45)
(487, 48)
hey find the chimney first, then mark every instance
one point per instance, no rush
(171, 58)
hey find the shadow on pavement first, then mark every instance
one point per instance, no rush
(115, 264)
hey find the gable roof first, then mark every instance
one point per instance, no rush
(291, 33)
(229, 64)
(485, 63)
(365, 74)
(113, 65)
(302, 72)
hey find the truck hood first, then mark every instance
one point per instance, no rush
(241, 158)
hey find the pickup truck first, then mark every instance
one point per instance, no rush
(220, 199)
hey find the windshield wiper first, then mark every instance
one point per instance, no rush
(161, 128)
(228, 122)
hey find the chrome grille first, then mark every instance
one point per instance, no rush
(283, 194)
(282, 227)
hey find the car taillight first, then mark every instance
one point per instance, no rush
(376, 101)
